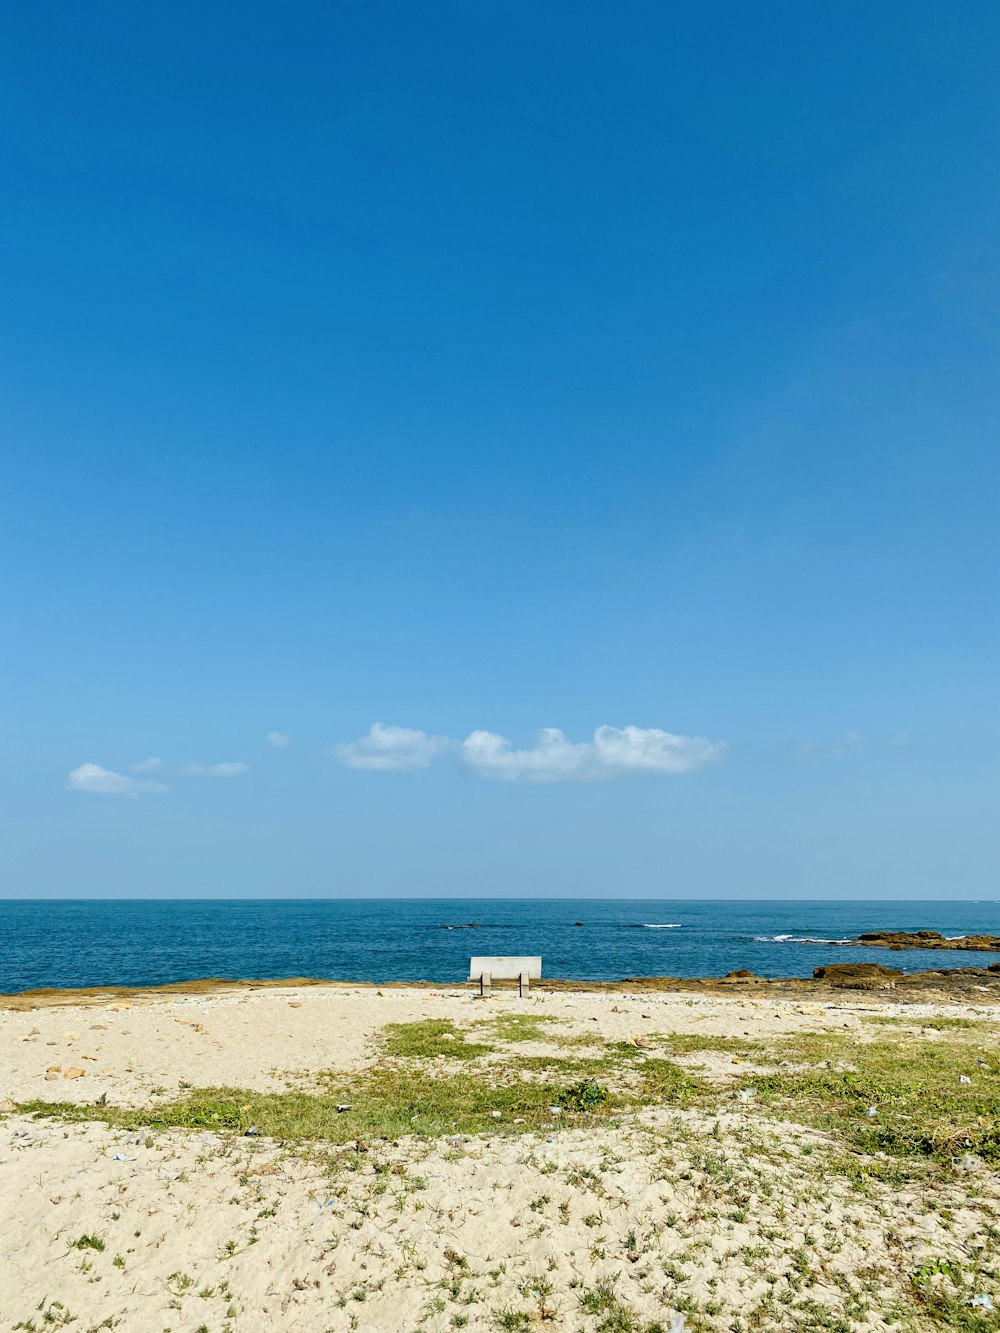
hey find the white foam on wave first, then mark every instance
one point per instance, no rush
(796, 939)
(653, 925)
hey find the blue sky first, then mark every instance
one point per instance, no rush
(481, 371)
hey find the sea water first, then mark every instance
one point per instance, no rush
(100, 943)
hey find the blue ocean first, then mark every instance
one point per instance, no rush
(93, 943)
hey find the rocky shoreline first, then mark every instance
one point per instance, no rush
(955, 984)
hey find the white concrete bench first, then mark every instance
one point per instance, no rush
(488, 970)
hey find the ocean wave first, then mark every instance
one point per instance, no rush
(654, 925)
(796, 939)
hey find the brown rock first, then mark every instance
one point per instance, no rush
(858, 976)
(75, 1073)
(927, 939)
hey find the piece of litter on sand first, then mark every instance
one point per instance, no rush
(872, 1112)
(252, 1133)
(497, 1115)
(344, 1106)
(747, 1094)
(122, 1157)
(964, 1078)
(555, 1110)
(983, 1300)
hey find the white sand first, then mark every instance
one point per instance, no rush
(202, 1230)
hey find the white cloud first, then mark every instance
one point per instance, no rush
(279, 740)
(391, 749)
(650, 750)
(553, 759)
(216, 770)
(147, 765)
(103, 782)
(613, 752)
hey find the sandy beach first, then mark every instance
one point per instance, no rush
(712, 1201)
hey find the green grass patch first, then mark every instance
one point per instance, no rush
(429, 1038)
(586, 1095)
(690, 1043)
(87, 1242)
(943, 1291)
(386, 1103)
(521, 1027)
(947, 1023)
(922, 1107)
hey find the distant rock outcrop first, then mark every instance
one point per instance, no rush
(928, 939)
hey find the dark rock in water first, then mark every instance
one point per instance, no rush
(894, 936)
(927, 939)
(577, 923)
(858, 976)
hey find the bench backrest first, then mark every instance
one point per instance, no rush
(505, 969)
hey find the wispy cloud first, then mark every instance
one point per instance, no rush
(852, 743)
(391, 749)
(215, 770)
(279, 740)
(105, 782)
(147, 765)
(612, 752)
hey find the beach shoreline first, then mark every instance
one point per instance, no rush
(958, 984)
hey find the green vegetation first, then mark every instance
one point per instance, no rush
(521, 1027)
(613, 1315)
(921, 1106)
(689, 1043)
(87, 1242)
(943, 1291)
(429, 1038)
(386, 1103)
(583, 1096)
(402, 1095)
(897, 1096)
